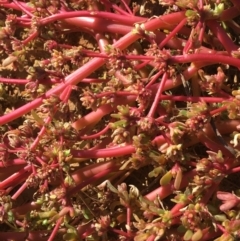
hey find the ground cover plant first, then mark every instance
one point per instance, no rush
(119, 120)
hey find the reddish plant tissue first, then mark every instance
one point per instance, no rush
(119, 120)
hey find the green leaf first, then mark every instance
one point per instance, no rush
(197, 235)
(188, 235)
(37, 118)
(166, 179)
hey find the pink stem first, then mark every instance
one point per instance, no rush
(208, 236)
(118, 93)
(90, 66)
(121, 11)
(95, 116)
(92, 117)
(236, 4)
(210, 191)
(94, 80)
(88, 233)
(168, 189)
(94, 136)
(201, 33)
(235, 170)
(14, 177)
(173, 33)
(104, 153)
(152, 237)
(23, 8)
(19, 191)
(175, 210)
(234, 26)
(30, 38)
(200, 5)
(218, 110)
(194, 99)
(126, 6)
(64, 96)
(221, 35)
(129, 215)
(14, 81)
(229, 14)
(202, 137)
(187, 74)
(158, 140)
(23, 209)
(90, 180)
(154, 78)
(205, 57)
(96, 14)
(122, 233)
(12, 162)
(54, 232)
(158, 95)
(42, 131)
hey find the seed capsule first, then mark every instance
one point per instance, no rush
(166, 179)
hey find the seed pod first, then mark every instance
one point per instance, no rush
(188, 235)
(220, 217)
(178, 179)
(8, 61)
(166, 178)
(197, 235)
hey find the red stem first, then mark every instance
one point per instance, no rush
(221, 35)
(15, 177)
(54, 232)
(95, 116)
(236, 4)
(94, 136)
(96, 14)
(212, 145)
(104, 153)
(235, 170)
(14, 81)
(122, 233)
(168, 189)
(41, 132)
(64, 96)
(154, 78)
(19, 191)
(23, 8)
(214, 58)
(129, 215)
(158, 95)
(90, 180)
(229, 14)
(173, 33)
(30, 38)
(12, 162)
(196, 99)
(126, 6)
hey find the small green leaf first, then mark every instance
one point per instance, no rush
(197, 235)
(178, 180)
(10, 216)
(155, 172)
(36, 117)
(70, 237)
(166, 179)
(188, 235)
(86, 214)
(220, 217)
